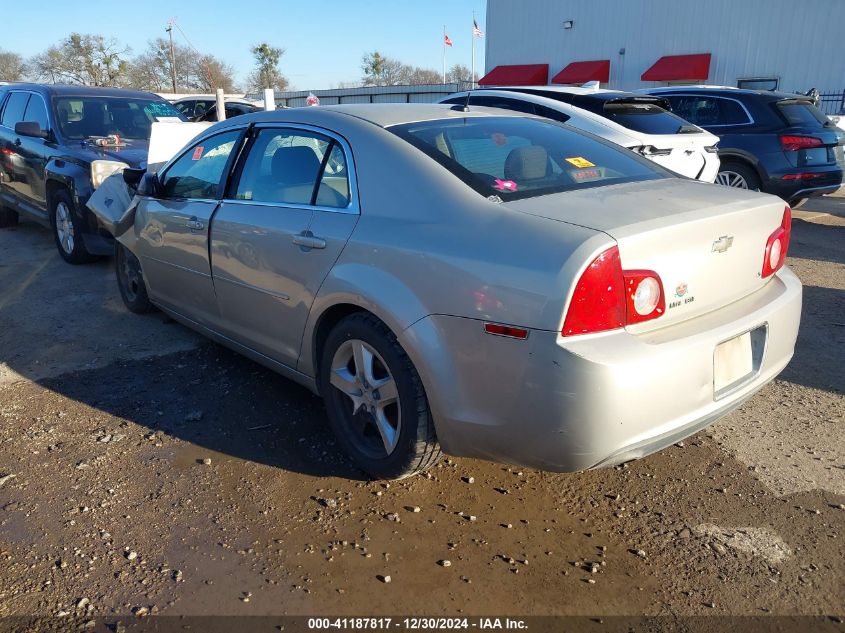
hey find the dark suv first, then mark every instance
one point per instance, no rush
(776, 142)
(58, 143)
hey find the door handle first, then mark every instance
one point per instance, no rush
(194, 224)
(307, 240)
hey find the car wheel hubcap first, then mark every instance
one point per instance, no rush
(64, 227)
(360, 374)
(731, 179)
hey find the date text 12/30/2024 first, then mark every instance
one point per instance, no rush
(415, 624)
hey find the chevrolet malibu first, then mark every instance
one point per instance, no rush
(472, 281)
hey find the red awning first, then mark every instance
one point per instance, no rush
(678, 68)
(517, 75)
(582, 72)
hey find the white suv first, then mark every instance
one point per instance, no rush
(639, 122)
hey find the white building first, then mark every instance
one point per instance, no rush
(785, 44)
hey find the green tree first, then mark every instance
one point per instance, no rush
(267, 73)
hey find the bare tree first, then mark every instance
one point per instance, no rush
(267, 73)
(83, 59)
(195, 72)
(12, 67)
(458, 73)
(386, 71)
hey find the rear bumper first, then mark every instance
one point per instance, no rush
(826, 180)
(567, 404)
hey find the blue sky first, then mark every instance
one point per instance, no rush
(324, 40)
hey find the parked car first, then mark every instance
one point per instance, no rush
(640, 123)
(193, 107)
(58, 143)
(775, 142)
(503, 286)
(231, 108)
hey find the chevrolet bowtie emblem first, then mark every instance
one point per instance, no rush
(722, 244)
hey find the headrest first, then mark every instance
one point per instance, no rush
(295, 165)
(527, 163)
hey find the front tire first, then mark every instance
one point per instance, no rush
(66, 230)
(130, 280)
(375, 400)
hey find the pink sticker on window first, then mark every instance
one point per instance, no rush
(500, 139)
(505, 185)
(197, 153)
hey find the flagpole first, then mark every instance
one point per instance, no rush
(444, 53)
(472, 39)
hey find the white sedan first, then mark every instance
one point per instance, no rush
(641, 123)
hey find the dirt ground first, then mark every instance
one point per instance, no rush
(146, 470)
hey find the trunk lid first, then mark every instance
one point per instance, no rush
(706, 242)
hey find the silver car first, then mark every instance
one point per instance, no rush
(501, 286)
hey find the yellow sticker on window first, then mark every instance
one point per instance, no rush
(580, 162)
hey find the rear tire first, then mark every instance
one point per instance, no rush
(738, 175)
(379, 411)
(797, 202)
(130, 280)
(66, 229)
(8, 217)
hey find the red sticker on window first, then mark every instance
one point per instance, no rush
(197, 153)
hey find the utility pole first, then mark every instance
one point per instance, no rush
(169, 30)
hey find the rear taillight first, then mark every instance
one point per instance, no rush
(794, 143)
(607, 298)
(777, 245)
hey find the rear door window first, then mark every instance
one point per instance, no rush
(14, 109)
(294, 167)
(708, 111)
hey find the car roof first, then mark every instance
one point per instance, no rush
(771, 94)
(381, 114)
(84, 91)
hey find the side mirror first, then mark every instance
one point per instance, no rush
(148, 185)
(30, 128)
(132, 176)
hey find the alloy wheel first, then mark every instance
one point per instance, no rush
(359, 372)
(731, 179)
(64, 227)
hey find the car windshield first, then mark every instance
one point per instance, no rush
(83, 117)
(522, 157)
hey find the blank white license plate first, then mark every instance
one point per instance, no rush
(732, 361)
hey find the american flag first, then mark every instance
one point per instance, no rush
(446, 40)
(475, 30)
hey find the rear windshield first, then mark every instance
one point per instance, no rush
(644, 117)
(802, 113)
(82, 117)
(516, 157)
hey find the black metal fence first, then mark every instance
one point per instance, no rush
(832, 102)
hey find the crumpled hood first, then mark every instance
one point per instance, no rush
(134, 153)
